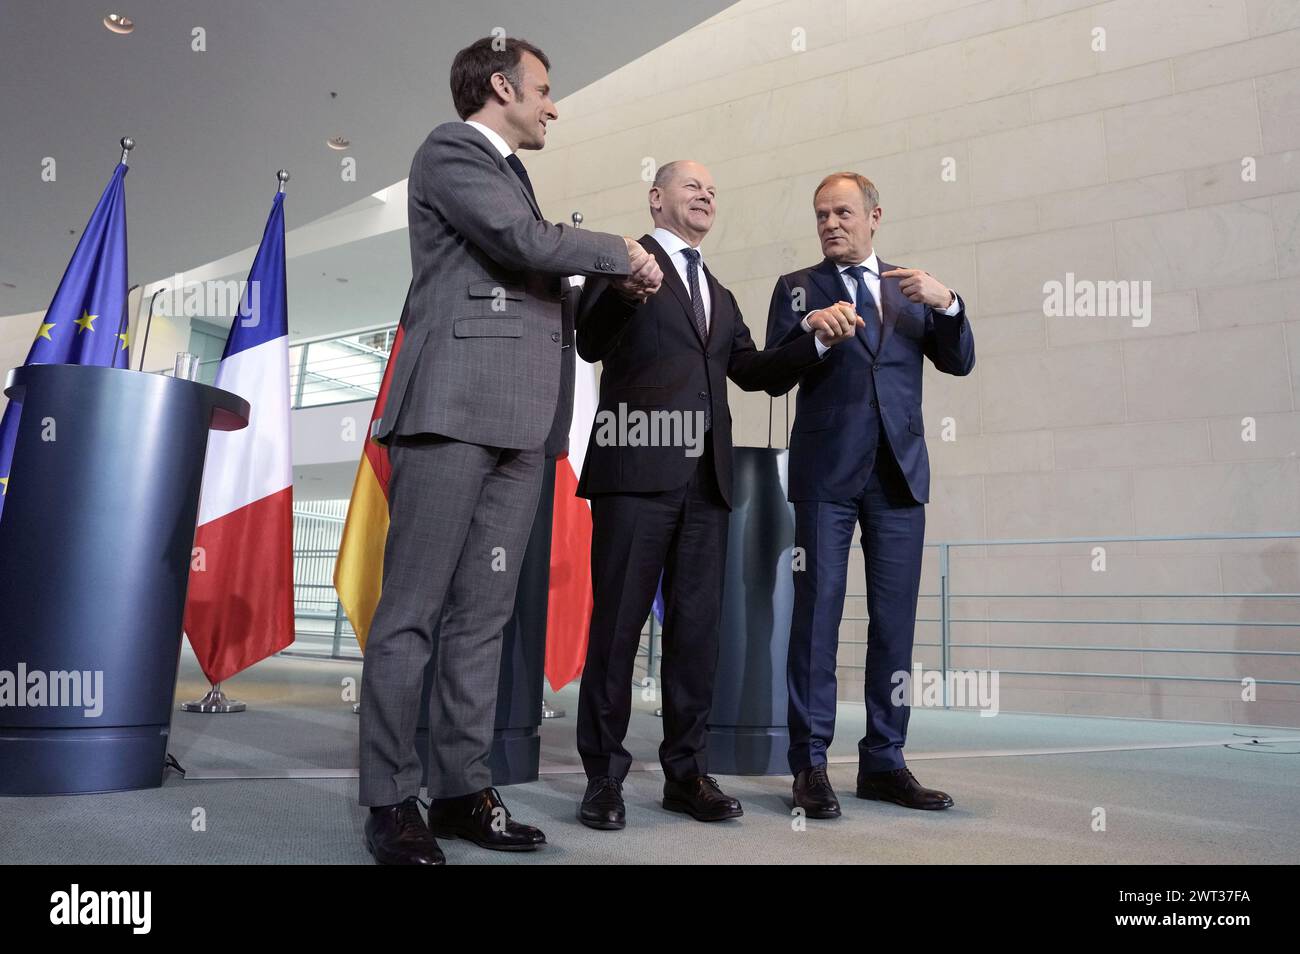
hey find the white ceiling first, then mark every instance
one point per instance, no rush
(211, 128)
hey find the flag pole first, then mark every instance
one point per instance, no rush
(124, 325)
(216, 700)
(548, 712)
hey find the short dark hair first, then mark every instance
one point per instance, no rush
(471, 71)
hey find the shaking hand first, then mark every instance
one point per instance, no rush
(835, 324)
(644, 276)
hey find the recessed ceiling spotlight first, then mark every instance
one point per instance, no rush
(341, 280)
(8, 284)
(338, 142)
(119, 23)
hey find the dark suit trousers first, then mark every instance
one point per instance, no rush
(682, 532)
(893, 536)
(460, 516)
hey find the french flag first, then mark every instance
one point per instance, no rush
(568, 610)
(239, 607)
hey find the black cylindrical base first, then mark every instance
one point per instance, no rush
(748, 728)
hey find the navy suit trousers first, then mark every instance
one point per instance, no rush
(893, 537)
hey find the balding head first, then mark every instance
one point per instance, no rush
(682, 200)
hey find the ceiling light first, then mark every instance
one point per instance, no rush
(338, 142)
(119, 23)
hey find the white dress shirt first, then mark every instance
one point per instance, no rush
(872, 279)
(493, 137)
(673, 244)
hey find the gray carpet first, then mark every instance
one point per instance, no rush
(1173, 793)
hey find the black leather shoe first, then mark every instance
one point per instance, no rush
(397, 835)
(901, 787)
(481, 817)
(602, 806)
(700, 798)
(813, 793)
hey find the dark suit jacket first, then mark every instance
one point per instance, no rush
(654, 360)
(481, 356)
(845, 399)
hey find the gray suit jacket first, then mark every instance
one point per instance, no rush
(481, 357)
(557, 441)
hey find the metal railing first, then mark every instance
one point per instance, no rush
(317, 607)
(946, 620)
(340, 369)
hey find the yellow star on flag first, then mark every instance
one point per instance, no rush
(45, 330)
(123, 337)
(4, 481)
(85, 322)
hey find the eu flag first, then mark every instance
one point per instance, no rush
(86, 322)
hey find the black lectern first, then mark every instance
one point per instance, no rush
(95, 547)
(748, 729)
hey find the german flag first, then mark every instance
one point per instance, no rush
(359, 570)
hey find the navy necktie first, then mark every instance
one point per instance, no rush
(513, 162)
(866, 306)
(697, 306)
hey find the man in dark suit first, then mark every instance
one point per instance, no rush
(858, 456)
(660, 497)
(472, 400)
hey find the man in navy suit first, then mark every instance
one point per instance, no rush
(858, 456)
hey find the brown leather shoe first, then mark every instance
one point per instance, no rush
(813, 793)
(397, 835)
(901, 787)
(700, 798)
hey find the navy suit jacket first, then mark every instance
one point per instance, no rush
(845, 398)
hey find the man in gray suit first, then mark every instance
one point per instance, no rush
(472, 399)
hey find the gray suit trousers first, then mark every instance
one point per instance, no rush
(460, 517)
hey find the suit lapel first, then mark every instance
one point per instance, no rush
(720, 317)
(826, 276)
(892, 301)
(519, 184)
(674, 282)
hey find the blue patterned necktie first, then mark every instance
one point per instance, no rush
(866, 306)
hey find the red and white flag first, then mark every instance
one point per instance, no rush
(239, 606)
(568, 612)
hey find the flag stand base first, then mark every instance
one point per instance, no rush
(214, 701)
(549, 713)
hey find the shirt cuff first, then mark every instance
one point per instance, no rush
(955, 307)
(821, 348)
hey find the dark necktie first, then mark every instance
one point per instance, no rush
(866, 306)
(697, 300)
(697, 306)
(513, 161)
